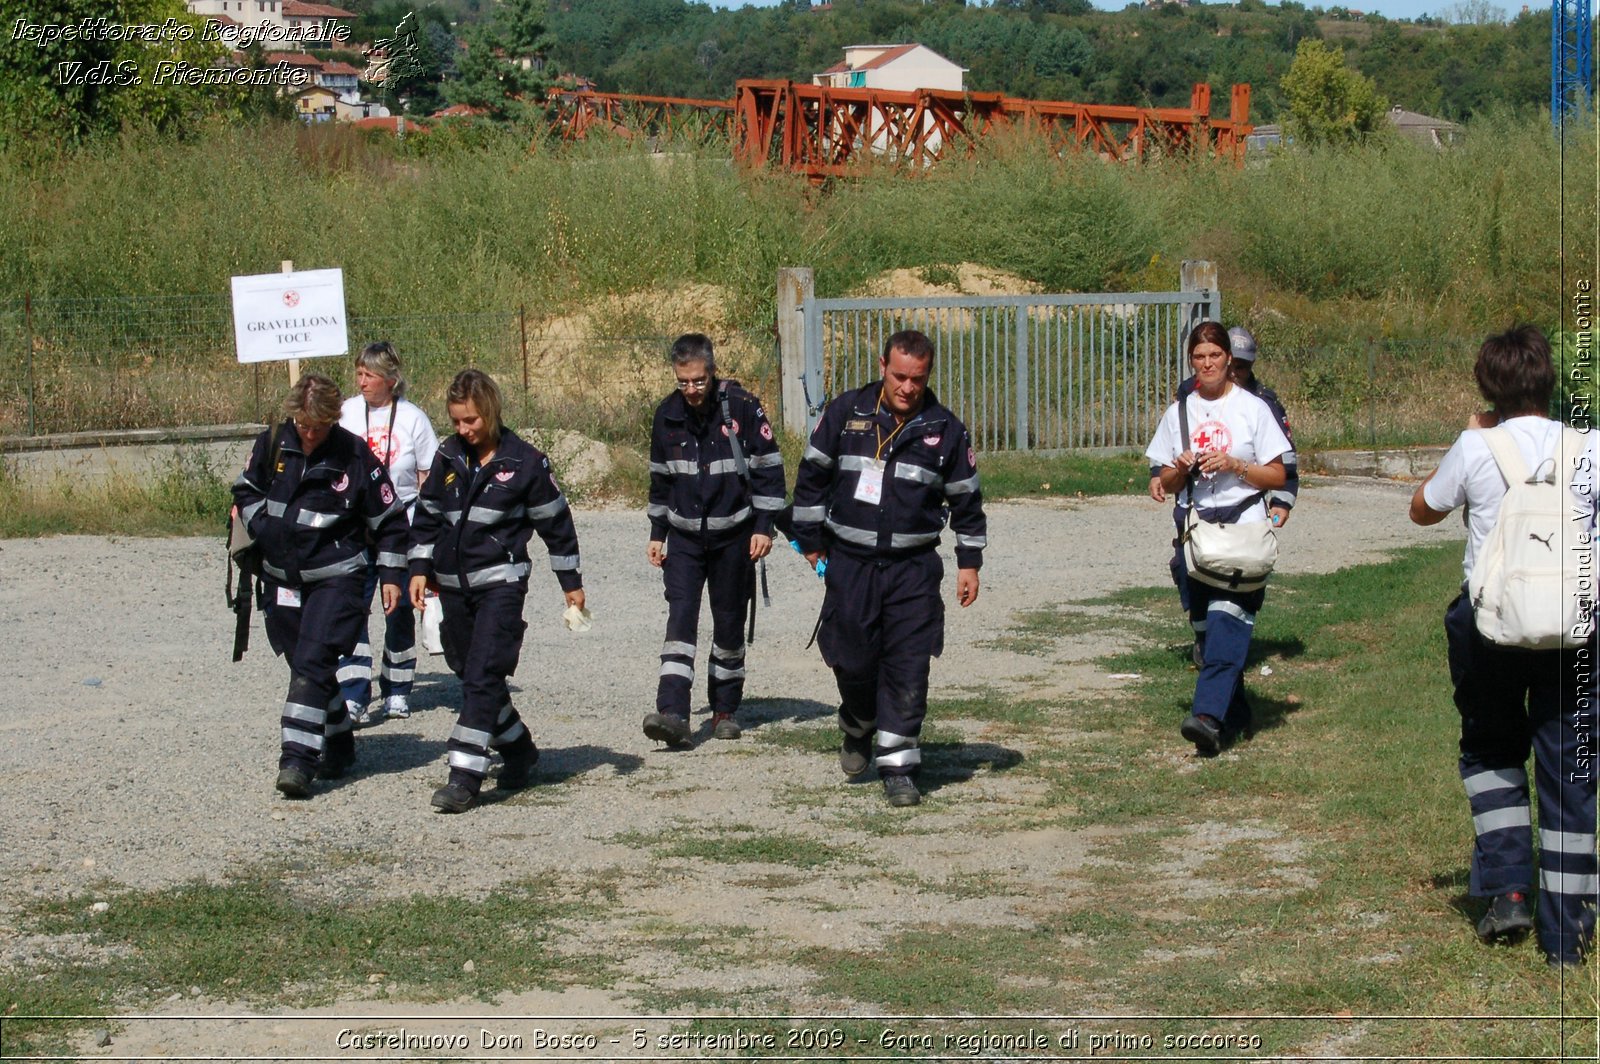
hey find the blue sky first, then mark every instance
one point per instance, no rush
(1389, 8)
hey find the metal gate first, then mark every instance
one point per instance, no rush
(1047, 372)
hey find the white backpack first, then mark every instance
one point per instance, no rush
(1532, 584)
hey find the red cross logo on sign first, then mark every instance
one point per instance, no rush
(291, 298)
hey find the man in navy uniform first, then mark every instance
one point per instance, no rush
(884, 466)
(716, 486)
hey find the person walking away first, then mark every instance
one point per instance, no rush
(1511, 699)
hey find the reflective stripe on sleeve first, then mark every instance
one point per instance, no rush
(763, 461)
(549, 509)
(975, 542)
(961, 487)
(563, 562)
(816, 456)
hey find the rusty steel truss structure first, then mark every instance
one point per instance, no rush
(823, 132)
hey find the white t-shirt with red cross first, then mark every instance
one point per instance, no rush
(411, 446)
(1235, 423)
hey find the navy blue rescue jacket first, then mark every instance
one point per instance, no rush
(930, 469)
(472, 528)
(695, 486)
(314, 515)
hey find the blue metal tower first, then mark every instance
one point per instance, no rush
(1571, 59)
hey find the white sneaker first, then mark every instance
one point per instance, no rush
(365, 716)
(396, 706)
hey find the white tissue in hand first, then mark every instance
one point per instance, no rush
(577, 619)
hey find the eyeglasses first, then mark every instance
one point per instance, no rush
(313, 426)
(694, 384)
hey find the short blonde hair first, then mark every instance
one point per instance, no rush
(380, 357)
(314, 398)
(478, 388)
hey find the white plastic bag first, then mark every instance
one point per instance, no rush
(432, 617)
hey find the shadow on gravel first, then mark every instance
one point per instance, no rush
(557, 764)
(754, 712)
(947, 763)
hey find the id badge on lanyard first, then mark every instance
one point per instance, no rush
(869, 487)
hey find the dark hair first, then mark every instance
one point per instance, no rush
(478, 388)
(911, 342)
(1208, 332)
(380, 357)
(1515, 373)
(315, 398)
(694, 347)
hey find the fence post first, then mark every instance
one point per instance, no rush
(796, 288)
(27, 317)
(294, 363)
(1021, 310)
(522, 324)
(1200, 276)
(1372, 397)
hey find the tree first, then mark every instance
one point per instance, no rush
(503, 69)
(1328, 102)
(54, 89)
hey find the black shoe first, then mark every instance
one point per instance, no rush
(855, 754)
(1197, 653)
(517, 772)
(337, 760)
(665, 728)
(1204, 732)
(723, 726)
(453, 798)
(294, 783)
(901, 791)
(1507, 920)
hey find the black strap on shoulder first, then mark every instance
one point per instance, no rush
(743, 466)
(1226, 515)
(739, 461)
(1183, 442)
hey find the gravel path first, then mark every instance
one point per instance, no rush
(136, 755)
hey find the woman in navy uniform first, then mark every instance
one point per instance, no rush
(488, 493)
(313, 496)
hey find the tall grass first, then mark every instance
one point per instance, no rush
(1464, 236)
(1324, 252)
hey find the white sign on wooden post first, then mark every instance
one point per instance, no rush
(283, 316)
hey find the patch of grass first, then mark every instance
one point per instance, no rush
(254, 939)
(1037, 631)
(188, 496)
(1018, 475)
(740, 847)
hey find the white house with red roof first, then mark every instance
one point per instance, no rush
(896, 67)
(275, 23)
(339, 85)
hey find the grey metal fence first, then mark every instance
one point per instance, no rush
(1097, 371)
(1024, 372)
(74, 365)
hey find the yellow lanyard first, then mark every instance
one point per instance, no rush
(882, 442)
